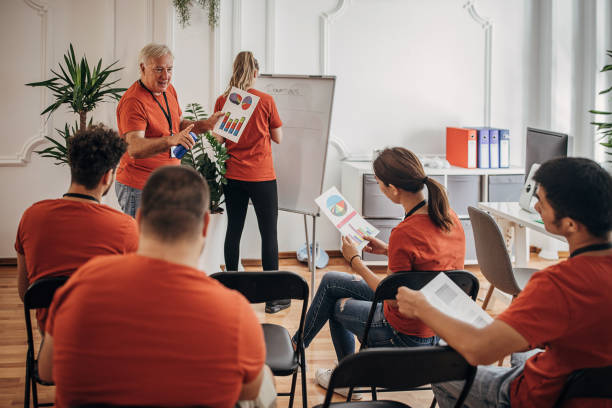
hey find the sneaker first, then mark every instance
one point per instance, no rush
(323, 375)
(276, 306)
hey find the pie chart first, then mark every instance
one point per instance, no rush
(246, 102)
(336, 205)
(235, 98)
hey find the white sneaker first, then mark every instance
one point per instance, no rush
(323, 375)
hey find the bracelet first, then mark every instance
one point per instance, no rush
(353, 257)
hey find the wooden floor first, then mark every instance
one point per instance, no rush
(319, 354)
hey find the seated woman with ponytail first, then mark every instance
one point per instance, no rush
(430, 238)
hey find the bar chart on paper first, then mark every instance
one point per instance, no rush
(345, 218)
(238, 109)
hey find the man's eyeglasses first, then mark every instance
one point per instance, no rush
(159, 70)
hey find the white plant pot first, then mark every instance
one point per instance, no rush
(212, 258)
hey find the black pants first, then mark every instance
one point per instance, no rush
(264, 196)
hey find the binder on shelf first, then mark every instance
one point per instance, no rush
(494, 147)
(461, 147)
(504, 148)
(483, 139)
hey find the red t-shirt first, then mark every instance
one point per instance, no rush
(417, 244)
(567, 310)
(133, 330)
(58, 236)
(137, 110)
(251, 158)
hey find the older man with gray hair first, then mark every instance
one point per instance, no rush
(150, 120)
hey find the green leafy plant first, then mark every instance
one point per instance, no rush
(183, 11)
(604, 128)
(208, 157)
(82, 89)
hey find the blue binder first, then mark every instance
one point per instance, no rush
(504, 148)
(494, 148)
(482, 136)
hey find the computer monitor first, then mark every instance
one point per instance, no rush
(543, 145)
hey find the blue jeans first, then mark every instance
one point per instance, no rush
(128, 197)
(349, 318)
(491, 386)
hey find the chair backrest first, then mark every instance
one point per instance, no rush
(587, 383)
(260, 287)
(40, 293)
(415, 280)
(400, 368)
(491, 251)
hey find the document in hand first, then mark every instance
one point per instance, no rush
(345, 218)
(443, 294)
(238, 108)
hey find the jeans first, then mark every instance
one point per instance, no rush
(491, 386)
(128, 197)
(349, 318)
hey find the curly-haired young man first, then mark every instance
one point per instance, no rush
(57, 236)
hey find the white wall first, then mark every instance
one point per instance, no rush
(405, 69)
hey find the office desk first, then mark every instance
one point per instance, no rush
(522, 221)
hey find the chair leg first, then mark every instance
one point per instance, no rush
(292, 394)
(488, 297)
(34, 392)
(374, 397)
(304, 391)
(26, 397)
(433, 403)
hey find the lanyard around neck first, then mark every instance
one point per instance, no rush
(167, 114)
(83, 196)
(594, 247)
(415, 208)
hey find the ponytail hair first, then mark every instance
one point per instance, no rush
(243, 75)
(402, 168)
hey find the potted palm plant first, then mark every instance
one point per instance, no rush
(208, 158)
(604, 129)
(81, 88)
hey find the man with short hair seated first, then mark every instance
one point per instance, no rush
(566, 309)
(149, 328)
(57, 236)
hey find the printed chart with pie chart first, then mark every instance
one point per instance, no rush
(238, 108)
(336, 205)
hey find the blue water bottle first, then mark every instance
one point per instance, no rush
(179, 151)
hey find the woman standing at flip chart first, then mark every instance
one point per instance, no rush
(250, 172)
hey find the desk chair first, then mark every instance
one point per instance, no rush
(260, 287)
(587, 383)
(493, 258)
(38, 296)
(399, 368)
(415, 280)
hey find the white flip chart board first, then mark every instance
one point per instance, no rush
(305, 106)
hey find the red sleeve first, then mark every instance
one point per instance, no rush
(540, 313)
(275, 120)
(251, 344)
(219, 104)
(400, 251)
(19, 238)
(133, 117)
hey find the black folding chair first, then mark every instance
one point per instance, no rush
(399, 368)
(415, 280)
(587, 383)
(38, 296)
(260, 287)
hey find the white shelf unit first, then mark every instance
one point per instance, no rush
(464, 186)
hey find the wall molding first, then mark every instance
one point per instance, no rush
(41, 7)
(270, 36)
(486, 25)
(236, 26)
(326, 20)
